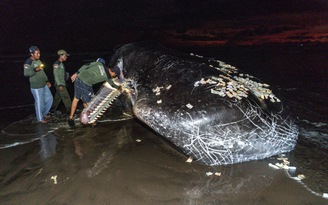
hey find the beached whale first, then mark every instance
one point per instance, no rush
(212, 111)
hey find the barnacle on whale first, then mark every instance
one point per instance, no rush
(236, 86)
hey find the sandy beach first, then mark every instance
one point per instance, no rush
(122, 162)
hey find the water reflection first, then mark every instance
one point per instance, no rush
(22, 132)
(118, 141)
(48, 145)
(231, 183)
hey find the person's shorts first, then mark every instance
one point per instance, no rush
(82, 91)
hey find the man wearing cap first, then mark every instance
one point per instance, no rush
(61, 76)
(33, 69)
(87, 76)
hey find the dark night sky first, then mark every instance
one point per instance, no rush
(99, 25)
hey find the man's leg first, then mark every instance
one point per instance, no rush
(85, 104)
(73, 109)
(48, 100)
(66, 99)
(56, 100)
(38, 103)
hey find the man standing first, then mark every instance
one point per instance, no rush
(61, 76)
(33, 69)
(87, 76)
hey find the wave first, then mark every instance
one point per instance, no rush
(314, 133)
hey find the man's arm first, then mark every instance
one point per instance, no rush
(28, 70)
(59, 77)
(111, 82)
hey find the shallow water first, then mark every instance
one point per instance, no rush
(120, 161)
(125, 163)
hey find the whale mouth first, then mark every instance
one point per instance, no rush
(99, 104)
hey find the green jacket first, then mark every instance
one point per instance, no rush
(93, 73)
(59, 73)
(37, 79)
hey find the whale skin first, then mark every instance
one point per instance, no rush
(212, 111)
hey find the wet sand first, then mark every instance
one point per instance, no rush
(122, 162)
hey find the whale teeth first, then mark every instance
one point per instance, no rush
(101, 102)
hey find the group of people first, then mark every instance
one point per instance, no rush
(87, 76)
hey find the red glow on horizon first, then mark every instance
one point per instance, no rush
(235, 37)
(288, 28)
